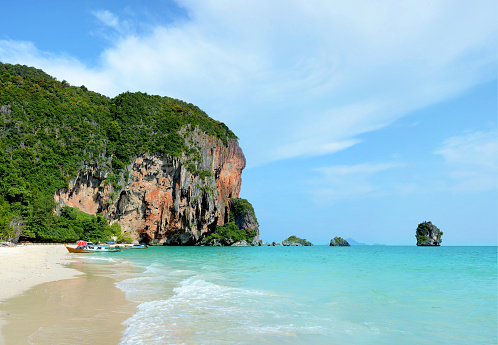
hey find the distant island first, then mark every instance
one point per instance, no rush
(355, 243)
(339, 242)
(296, 241)
(428, 234)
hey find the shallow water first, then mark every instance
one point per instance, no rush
(312, 295)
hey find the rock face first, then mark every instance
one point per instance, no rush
(165, 199)
(242, 230)
(244, 220)
(339, 241)
(296, 241)
(428, 234)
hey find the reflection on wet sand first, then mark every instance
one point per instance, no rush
(85, 310)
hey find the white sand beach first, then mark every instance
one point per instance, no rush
(42, 301)
(25, 266)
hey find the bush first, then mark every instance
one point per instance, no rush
(230, 233)
(49, 130)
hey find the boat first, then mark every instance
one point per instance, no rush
(92, 248)
(137, 246)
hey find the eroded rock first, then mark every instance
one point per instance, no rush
(339, 242)
(165, 199)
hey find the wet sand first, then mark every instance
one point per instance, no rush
(89, 309)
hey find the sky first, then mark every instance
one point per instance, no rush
(358, 119)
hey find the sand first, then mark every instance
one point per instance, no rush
(25, 266)
(42, 301)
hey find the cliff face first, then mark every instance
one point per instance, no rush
(339, 242)
(164, 199)
(428, 234)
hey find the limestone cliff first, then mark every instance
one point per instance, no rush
(165, 199)
(428, 234)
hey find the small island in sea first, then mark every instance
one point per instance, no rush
(339, 242)
(428, 234)
(296, 241)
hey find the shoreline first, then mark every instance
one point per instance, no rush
(25, 266)
(47, 295)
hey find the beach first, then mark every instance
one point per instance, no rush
(49, 296)
(252, 295)
(25, 266)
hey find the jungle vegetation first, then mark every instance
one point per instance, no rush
(231, 232)
(295, 239)
(424, 231)
(49, 130)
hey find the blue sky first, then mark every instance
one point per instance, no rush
(357, 119)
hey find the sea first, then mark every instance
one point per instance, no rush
(309, 295)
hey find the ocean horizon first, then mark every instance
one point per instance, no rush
(309, 295)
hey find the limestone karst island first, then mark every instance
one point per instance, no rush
(75, 164)
(428, 234)
(339, 242)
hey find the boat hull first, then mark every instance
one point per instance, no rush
(136, 247)
(74, 250)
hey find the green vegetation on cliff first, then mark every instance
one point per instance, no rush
(49, 130)
(230, 233)
(428, 234)
(339, 242)
(296, 240)
(241, 214)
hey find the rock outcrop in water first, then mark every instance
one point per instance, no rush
(339, 241)
(428, 234)
(296, 241)
(165, 199)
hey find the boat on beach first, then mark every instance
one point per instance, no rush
(92, 248)
(136, 246)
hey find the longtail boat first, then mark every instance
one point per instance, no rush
(136, 246)
(92, 248)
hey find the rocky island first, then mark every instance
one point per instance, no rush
(339, 242)
(296, 241)
(75, 164)
(428, 234)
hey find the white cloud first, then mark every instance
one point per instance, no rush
(343, 182)
(108, 18)
(470, 165)
(472, 161)
(304, 78)
(110, 21)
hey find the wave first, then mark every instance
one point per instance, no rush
(203, 312)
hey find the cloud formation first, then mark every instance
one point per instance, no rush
(347, 182)
(471, 161)
(469, 164)
(305, 78)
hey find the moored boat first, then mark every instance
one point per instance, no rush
(137, 246)
(92, 248)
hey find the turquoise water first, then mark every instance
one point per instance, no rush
(312, 295)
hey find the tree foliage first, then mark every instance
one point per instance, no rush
(295, 239)
(233, 231)
(49, 130)
(425, 230)
(230, 233)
